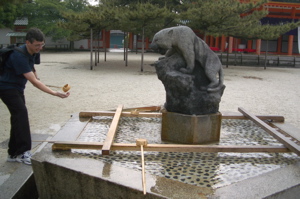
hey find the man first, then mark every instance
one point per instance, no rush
(18, 69)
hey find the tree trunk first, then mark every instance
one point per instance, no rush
(266, 55)
(142, 61)
(104, 43)
(126, 53)
(91, 63)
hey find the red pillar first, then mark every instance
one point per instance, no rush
(217, 43)
(130, 44)
(258, 46)
(146, 43)
(106, 35)
(211, 41)
(249, 44)
(230, 44)
(290, 44)
(239, 41)
(279, 45)
(223, 43)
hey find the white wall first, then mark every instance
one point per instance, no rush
(4, 40)
(63, 43)
(81, 44)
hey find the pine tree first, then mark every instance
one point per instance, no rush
(217, 17)
(144, 19)
(231, 18)
(46, 14)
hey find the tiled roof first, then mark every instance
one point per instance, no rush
(21, 21)
(16, 34)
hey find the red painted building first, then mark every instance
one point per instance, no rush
(287, 44)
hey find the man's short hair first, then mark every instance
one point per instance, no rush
(35, 34)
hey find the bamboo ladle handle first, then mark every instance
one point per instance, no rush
(142, 142)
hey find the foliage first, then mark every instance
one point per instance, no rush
(161, 3)
(269, 31)
(96, 17)
(136, 17)
(219, 17)
(4, 3)
(232, 18)
(9, 11)
(45, 14)
(72, 19)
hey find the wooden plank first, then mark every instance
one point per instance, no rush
(271, 118)
(280, 137)
(112, 113)
(288, 129)
(112, 131)
(171, 147)
(144, 109)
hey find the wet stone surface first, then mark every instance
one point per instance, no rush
(201, 169)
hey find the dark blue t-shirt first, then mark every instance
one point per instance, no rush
(16, 65)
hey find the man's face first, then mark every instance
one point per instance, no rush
(35, 46)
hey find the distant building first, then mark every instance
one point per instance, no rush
(286, 44)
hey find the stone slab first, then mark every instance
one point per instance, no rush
(281, 182)
(67, 175)
(20, 183)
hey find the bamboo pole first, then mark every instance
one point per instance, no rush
(142, 143)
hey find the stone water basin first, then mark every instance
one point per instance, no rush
(213, 170)
(82, 173)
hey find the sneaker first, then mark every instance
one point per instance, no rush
(25, 158)
(11, 158)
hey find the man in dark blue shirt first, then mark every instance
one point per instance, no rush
(18, 69)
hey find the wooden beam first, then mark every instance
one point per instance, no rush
(282, 4)
(272, 118)
(112, 113)
(171, 147)
(280, 137)
(112, 131)
(144, 109)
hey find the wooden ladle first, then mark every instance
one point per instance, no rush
(65, 88)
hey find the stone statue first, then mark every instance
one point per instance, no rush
(190, 71)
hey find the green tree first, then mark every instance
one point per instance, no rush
(171, 5)
(231, 18)
(144, 19)
(9, 11)
(217, 17)
(4, 3)
(45, 14)
(137, 17)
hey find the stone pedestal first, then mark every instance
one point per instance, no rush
(190, 129)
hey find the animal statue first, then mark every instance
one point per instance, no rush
(183, 40)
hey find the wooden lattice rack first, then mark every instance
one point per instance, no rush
(265, 122)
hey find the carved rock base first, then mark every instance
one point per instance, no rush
(186, 93)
